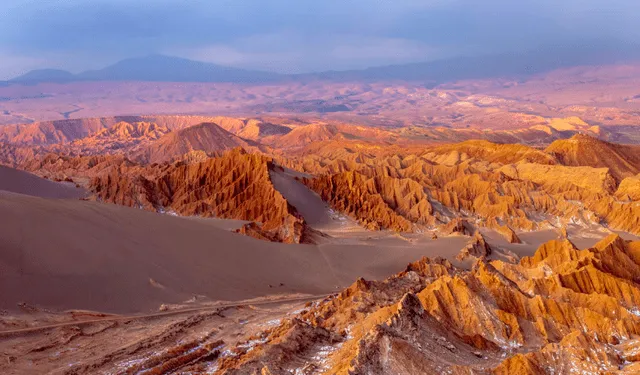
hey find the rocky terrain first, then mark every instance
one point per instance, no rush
(561, 311)
(235, 185)
(492, 185)
(382, 178)
(190, 244)
(206, 137)
(622, 161)
(604, 98)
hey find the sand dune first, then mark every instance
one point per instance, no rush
(78, 254)
(25, 183)
(306, 202)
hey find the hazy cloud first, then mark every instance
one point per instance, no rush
(297, 35)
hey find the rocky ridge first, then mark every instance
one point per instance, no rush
(234, 185)
(491, 185)
(404, 186)
(561, 311)
(581, 150)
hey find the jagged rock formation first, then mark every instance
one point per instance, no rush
(129, 134)
(406, 186)
(562, 311)
(495, 153)
(125, 131)
(80, 169)
(304, 135)
(508, 233)
(477, 248)
(583, 150)
(235, 185)
(629, 189)
(55, 132)
(14, 156)
(67, 131)
(123, 137)
(496, 187)
(301, 136)
(458, 226)
(252, 129)
(376, 202)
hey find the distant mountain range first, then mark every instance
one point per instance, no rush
(153, 68)
(159, 68)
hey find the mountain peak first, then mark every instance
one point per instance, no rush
(45, 75)
(153, 68)
(162, 68)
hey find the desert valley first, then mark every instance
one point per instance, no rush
(322, 225)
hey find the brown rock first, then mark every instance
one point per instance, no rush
(476, 248)
(458, 226)
(496, 318)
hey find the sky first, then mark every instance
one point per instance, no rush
(298, 35)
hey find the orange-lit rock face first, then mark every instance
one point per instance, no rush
(477, 248)
(469, 158)
(384, 178)
(120, 137)
(408, 187)
(561, 311)
(622, 161)
(377, 202)
(505, 187)
(235, 185)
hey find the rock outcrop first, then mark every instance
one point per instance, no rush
(629, 189)
(404, 186)
(252, 129)
(235, 185)
(530, 192)
(123, 137)
(376, 202)
(508, 233)
(458, 226)
(477, 248)
(562, 311)
(583, 150)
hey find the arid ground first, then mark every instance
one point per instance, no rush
(481, 226)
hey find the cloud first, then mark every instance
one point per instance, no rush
(290, 53)
(301, 35)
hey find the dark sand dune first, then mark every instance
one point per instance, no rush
(307, 203)
(26, 183)
(66, 254)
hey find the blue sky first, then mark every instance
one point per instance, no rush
(297, 35)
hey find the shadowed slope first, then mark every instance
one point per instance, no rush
(582, 150)
(207, 137)
(77, 254)
(16, 181)
(87, 255)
